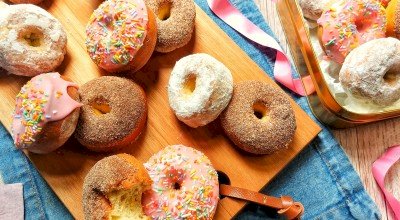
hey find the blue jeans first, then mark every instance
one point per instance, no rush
(321, 177)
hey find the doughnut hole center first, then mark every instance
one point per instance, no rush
(392, 75)
(164, 11)
(362, 25)
(100, 107)
(32, 37)
(189, 85)
(261, 111)
(177, 186)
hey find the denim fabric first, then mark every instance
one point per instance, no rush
(321, 177)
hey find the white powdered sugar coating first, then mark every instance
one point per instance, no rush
(364, 71)
(212, 93)
(312, 9)
(17, 56)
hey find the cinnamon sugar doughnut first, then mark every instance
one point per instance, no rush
(312, 9)
(175, 23)
(113, 115)
(32, 41)
(371, 71)
(259, 119)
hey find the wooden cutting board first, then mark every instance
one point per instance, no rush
(65, 169)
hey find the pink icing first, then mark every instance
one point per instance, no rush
(346, 24)
(43, 99)
(190, 171)
(116, 31)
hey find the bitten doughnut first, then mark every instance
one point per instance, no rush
(312, 9)
(199, 89)
(371, 71)
(185, 185)
(26, 1)
(259, 119)
(32, 41)
(121, 35)
(113, 189)
(113, 115)
(175, 23)
(46, 113)
(344, 25)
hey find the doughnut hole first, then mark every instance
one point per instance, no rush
(164, 10)
(261, 111)
(100, 106)
(391, 77)
(126, 204)
(189, 85)
(31, 36)
(362, 25)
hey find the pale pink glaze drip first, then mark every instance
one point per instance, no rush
(58, 105)
(116, 31)
(198, 195)
(346, 24)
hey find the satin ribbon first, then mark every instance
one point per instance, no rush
(379, 170)
(282, 69)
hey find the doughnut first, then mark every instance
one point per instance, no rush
(113, 114)
(175, 23)
(370, 72)
(259, 119)
(185, 185)
(46, 113)
(121, 35)
(312, 9)
(3, 5)
(26, 1)
(346, 24)
(199, 89)
(393, 23)
(113, 189)
(31, 40)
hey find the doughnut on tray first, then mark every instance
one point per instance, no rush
(65, 169)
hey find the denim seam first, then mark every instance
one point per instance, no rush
(332, 209)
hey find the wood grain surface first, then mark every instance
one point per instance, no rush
(363, 144)
(65, 169)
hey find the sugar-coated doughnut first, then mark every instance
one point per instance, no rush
(199, 89)
(113, 189)
(259, 119)
(26, 1)
(121, 35)
(370, 72)
(46, 113)
(113, 115)
(312, 9)
(175, 23)
(185, 185)
(346, 24)
(32, 41)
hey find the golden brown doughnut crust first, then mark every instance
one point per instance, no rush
(122, 125)
(26, 1)
(117, 172)
(249, 132)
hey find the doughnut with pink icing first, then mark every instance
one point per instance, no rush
(45, 115)
(346, 24)
(185, 185)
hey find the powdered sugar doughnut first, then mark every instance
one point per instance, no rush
(199, 89)
(32, 41)
(370, 71)
(185, 185)
(312, 9)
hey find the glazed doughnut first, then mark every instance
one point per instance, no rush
(113, 189)
(312, 9)
(46, 113)
(26, 1)
(259, 119)
(121, 35)
(345, 25)
(185, 185)
(175, 23)
(113, 115)
(199, 89)
(370, 72)
(393, 16)
(32, 41)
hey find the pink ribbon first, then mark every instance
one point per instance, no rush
(282, 70)
(379, 170)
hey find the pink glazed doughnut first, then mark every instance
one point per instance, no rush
(346, 24)
(185, 185)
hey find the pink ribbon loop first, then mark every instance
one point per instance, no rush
(379, 170)
(282, 70)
